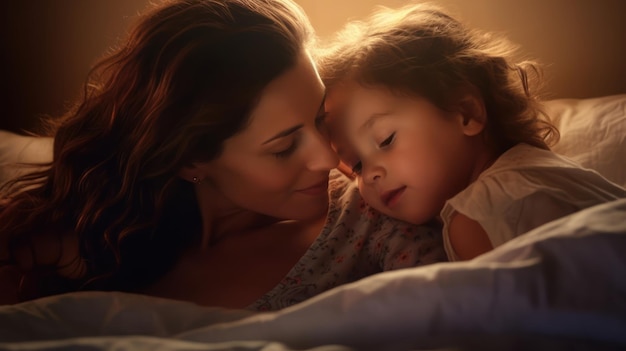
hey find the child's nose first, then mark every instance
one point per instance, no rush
(372, 174)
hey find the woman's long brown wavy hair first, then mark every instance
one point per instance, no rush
(110, 212)
(420, 50)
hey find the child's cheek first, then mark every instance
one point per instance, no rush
(369, 194)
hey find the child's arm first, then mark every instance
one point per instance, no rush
(467, 237)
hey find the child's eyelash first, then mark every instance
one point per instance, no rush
(388, 141)
(320, 119)
(356, 169)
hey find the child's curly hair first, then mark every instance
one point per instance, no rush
(419, 49)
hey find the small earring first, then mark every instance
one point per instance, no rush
(196, 180)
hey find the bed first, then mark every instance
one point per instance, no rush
(561, 286)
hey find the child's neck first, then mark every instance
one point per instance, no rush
(485, 157)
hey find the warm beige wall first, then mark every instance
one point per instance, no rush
(582, 43)
(48, 46)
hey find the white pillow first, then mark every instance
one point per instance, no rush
(593, 133)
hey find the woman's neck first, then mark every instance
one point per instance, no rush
(221, 218)
(236, 222)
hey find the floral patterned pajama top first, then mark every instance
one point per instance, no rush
(356, 241)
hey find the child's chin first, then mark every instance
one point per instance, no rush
(416, 219)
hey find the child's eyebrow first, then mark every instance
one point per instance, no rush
(372, 119)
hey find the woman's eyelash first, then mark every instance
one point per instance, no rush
(388, 141)
(286, 152)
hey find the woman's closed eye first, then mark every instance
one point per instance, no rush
(387, 141)
(289, 150)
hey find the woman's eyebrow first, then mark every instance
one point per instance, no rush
(293, 129)
(284, 133)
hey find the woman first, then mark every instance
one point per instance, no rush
(195, 168)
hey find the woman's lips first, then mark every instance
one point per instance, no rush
(391, 197)
(316, 189)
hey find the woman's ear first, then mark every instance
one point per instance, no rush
(193, 173)
(472, 114)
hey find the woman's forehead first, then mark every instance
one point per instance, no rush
(298, 91)
(292, 99)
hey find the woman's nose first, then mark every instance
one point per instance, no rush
(322, 155)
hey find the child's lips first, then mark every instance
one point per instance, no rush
(391, 197)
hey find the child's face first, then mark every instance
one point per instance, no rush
(407, 155)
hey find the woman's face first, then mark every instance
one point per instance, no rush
(279, 164)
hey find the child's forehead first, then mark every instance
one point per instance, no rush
(354, 95)
(353, 89)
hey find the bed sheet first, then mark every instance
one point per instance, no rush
(561, 286)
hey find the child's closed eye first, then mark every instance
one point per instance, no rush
(356, 169)
(387, 141)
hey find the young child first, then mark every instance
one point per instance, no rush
(435, 120)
